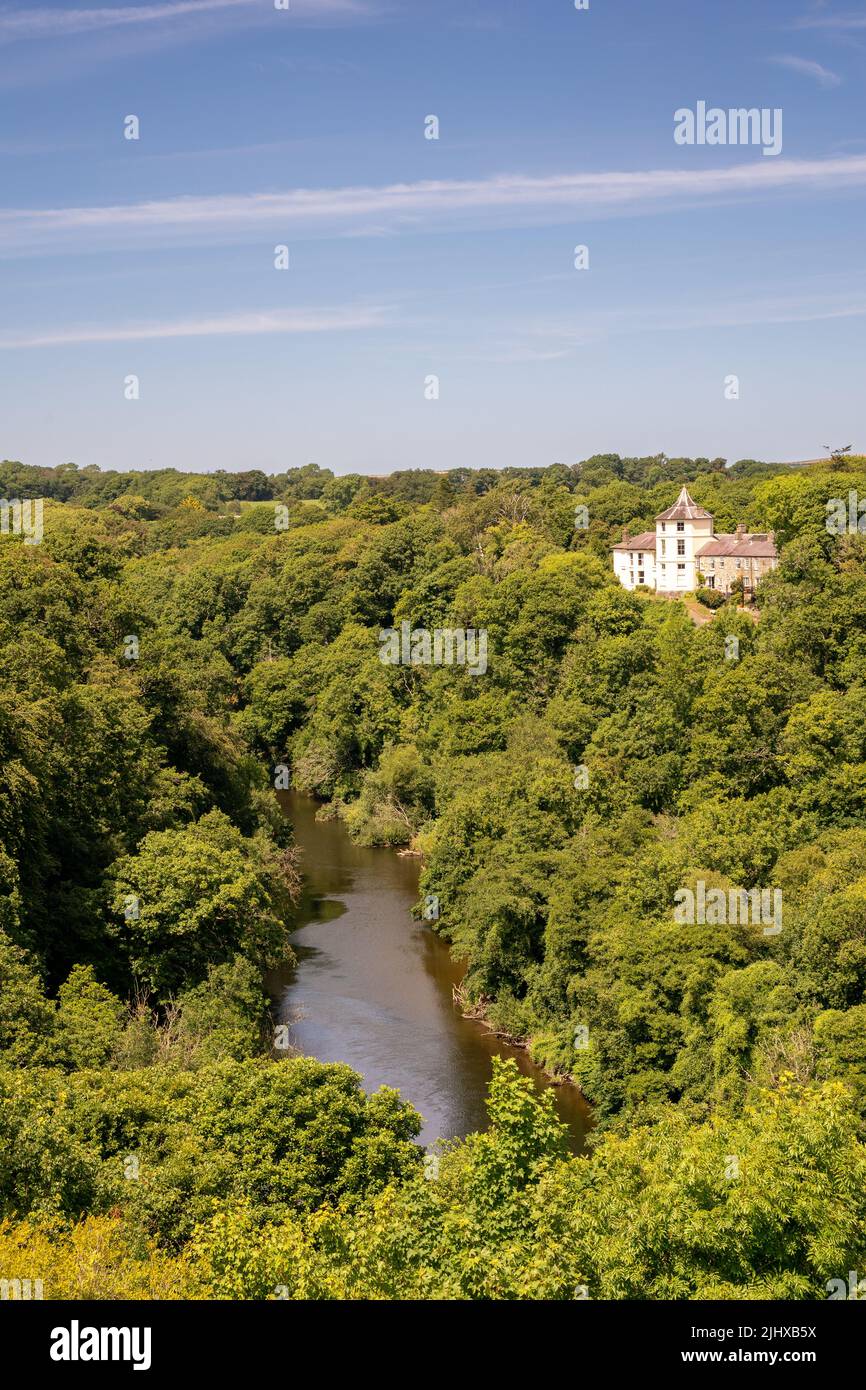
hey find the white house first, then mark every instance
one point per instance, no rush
(634, 560)
(684, 546)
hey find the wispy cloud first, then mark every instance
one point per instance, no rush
(338, 320)
(53, 23)
(757, 312)
(58, 23)
(425, 205)
(831, 21)
(807, 67)
(518, 355)
(318, 67)
(549, 340)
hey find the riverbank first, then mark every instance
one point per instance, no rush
(477, 1013)
(373, 987)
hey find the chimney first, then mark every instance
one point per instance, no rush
(740, 532)
(625, 534)
(771, 537)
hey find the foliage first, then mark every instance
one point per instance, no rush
(710, 598)
(168, 655)
(769, 1205)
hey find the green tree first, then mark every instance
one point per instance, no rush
(196, 896)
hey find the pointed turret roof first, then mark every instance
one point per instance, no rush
(685, 509)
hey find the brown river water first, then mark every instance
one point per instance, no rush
(373, 986)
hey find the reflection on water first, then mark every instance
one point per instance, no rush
(372, 986)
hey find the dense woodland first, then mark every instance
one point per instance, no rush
(153, 1143)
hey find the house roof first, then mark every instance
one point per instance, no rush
(745, 546)
(645, 541)
(685, 509)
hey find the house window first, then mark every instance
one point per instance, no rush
(681, 547)
(663, 548)
(680, 567)
(681, 526)
(640, 577)
(663, 526)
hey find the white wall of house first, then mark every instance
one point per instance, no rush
(677, 544)
(633, 567)
(621, 568)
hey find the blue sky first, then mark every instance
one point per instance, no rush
(412, 257)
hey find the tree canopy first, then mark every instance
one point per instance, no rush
(180, 645)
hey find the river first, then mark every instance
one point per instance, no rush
(373, 986)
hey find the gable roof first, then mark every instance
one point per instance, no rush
(685, 509)
(745, 546)
(645, 541)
